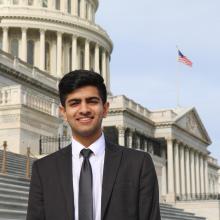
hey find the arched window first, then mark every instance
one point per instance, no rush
(14, 47)
(44, 3)
(47, 56)
(58, 4)
(30, 52)
(30, 2)
(79, 2)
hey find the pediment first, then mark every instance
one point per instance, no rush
(193, 125)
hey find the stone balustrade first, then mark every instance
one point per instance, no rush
(125, 103)
(17, 95)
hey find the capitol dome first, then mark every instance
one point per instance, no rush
(56, 36)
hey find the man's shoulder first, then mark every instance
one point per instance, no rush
(53, 156)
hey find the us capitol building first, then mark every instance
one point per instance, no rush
(40, 40)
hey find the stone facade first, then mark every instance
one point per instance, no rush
(42, 40)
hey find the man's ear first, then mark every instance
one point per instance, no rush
(106, 108)
(63, 112)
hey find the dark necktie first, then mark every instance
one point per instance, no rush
(85, 188)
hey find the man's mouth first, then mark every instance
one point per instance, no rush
(85, 119)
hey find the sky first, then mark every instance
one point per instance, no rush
(145, 34)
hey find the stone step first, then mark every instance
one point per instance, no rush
(14, 181)
(13, 186)
(12, 214)
(13, 198)
(14, 192)
(13, 206)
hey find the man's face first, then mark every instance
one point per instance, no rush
(84, 111)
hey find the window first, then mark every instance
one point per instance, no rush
(58, 4)
(47, 56)
(30, 52)
(81, 60)
(69, 6)
(15, 2)
(79, 2)
(30, 2)
(14, 47)
(44, 3)
(70, 59)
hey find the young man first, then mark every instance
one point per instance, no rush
(91, 179)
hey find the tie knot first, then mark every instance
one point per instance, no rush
(86, 153)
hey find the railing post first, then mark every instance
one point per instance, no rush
(59, 142)
(28, 163)
(40, 146)
(3, 169)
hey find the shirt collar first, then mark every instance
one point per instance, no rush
(97, 147)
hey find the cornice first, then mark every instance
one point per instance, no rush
(54, 17)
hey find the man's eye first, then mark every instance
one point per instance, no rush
(74, 103)
(93, 101)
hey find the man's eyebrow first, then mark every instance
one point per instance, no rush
(93, 97)
(87, 99)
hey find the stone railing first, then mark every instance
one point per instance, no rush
(18, 95)
(213, 161)
(126, 103)
(163, 115)
(28, 71)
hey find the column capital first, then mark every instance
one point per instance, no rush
(24, 29)
(42, 30)
(59, 33)
(5, 28)
(121, 128)
(75, 36)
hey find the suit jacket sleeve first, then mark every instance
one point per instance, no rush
(149, 208)
(36, 200)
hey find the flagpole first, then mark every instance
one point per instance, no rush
(178, 83)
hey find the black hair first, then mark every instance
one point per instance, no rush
(79, 78)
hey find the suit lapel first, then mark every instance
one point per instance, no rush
(111, 165)
(64, 165)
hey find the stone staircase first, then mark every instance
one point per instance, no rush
(14, 188)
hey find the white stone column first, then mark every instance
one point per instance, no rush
(192, 166)
(59, 54)
(121, 135)
(197, 174)
(42, 49)
(104, 73)
(74, 7)
(63, 6)
(171, 194)
(130, 138)
(37, 3)
(87, 55)
(51, 4)
(82, 9)
(177, 168)
(188, 177)
(206, 176)
(108, 74)
(202, 180)
(24, 2)
(74, 53)
(164, 174)
(182, 170)
(97, 58)
(89, 12)
(5, 41)
(24, 44)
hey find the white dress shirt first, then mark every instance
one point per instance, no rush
(97, 163)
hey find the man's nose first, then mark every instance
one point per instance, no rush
(84, 108)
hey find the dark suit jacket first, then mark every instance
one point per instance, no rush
(129, 189)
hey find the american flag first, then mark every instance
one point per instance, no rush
(184, 59)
